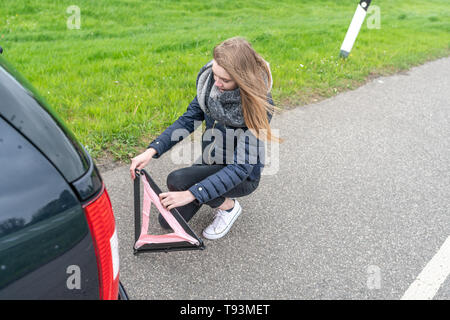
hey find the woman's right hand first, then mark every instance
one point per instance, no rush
(139, 162)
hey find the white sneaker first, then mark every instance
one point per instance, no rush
(222, 222)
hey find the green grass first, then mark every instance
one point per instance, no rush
(130, 70)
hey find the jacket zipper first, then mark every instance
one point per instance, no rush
(213, 144)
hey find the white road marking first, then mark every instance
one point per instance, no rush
(432, 276)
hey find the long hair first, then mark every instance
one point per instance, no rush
(252, 75)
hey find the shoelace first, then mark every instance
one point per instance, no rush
(220, 216)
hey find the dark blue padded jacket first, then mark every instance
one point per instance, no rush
(247, 152)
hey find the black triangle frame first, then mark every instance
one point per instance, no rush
(159, 247)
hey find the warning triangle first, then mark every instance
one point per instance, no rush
(182, 237)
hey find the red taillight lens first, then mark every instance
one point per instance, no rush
(101, 222)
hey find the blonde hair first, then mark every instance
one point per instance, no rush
(252, 75)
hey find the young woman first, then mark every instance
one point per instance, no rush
(234, 100)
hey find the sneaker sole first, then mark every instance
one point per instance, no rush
(224, 232)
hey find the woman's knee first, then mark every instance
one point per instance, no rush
(176, 181)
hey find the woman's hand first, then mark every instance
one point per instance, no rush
(175, 199)
(140, 161)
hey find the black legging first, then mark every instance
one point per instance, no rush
(182, 179)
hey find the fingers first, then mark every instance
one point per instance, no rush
(164, 197)
(168, 200)
(135, 165)
(139, 162)
(132, 171)
(174, 199)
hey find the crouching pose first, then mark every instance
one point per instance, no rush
(233, 99)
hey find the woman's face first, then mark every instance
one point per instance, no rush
(222, 79)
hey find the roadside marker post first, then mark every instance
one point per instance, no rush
(353, 29)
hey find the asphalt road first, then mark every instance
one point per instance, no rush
(358, 207)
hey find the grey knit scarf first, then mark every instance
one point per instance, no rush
(224, 107)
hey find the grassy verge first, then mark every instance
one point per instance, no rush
(130, 70)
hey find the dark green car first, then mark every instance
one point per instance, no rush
(57, 229)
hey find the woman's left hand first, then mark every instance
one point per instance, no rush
(175, 199)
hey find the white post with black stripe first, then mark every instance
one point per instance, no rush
(355, 26)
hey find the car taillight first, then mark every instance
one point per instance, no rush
(101, 222)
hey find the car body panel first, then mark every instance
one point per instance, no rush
(41, 220)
